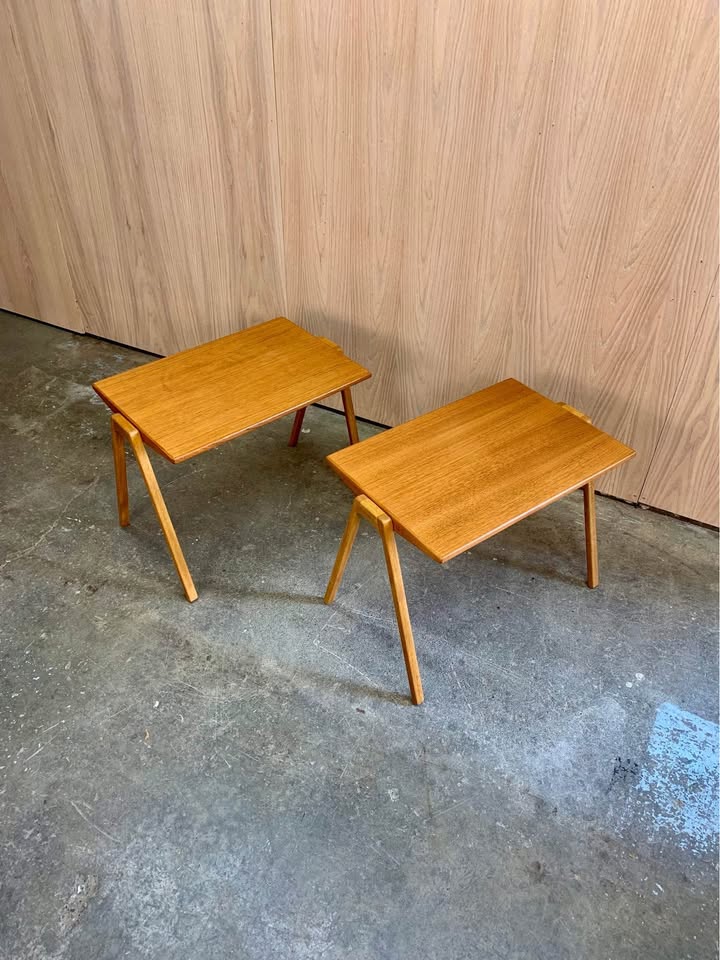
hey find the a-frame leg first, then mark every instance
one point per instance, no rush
(346, 545)
(122, 430)
(297, 427)
(402, 613)
(349, 420)
(364, 507)
(121, 485)
(591, 550)
(350, 415)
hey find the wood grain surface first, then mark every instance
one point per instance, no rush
(683, 475)
(454, 477)
(164, 154)
(193, 401)
(34, 278)
(456, 192)
(480, 190)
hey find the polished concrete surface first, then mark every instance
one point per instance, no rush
(245, 777)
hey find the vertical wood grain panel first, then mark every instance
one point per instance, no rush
(683, 476)
(165, 158)
(549, 201)
(343, 74)
(465, 191)
(631, 248)
(34, 278)
(475, 225)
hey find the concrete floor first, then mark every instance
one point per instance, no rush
(245, 777)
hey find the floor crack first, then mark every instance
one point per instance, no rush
(46, 533)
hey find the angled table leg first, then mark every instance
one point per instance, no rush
(123, 429)
(296, 427)
(364, 507)
(350, 415)
(346, 545)
(591, 550)
(349, 420)
(121, 485)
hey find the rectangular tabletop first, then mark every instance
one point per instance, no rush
(454, 477)
(194, 400)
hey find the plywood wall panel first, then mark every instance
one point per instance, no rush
(549, 198)
(454, 191)
(633, 246)
(34, 278)
(165, 157)
(683, 476)
(475, 220)
(345, 72)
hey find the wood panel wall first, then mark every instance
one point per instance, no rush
(160, 125)
(455, 191)
(34, 278)
(474, 190)
(683, 476)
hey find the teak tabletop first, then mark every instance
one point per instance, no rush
(194, 400)
(462, 473)
(454, 477)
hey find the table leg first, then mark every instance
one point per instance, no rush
(364, 507)
(121, 486)
(402, 613)
(125, 429)
(296, 427)
(593, 577)
(350, 415)
(346, 545)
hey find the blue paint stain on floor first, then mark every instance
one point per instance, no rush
(678, 789)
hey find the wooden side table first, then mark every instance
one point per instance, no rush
(454, 477)
(190, 402)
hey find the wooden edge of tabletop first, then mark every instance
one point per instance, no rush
(233, 435)
(407, 533)
(363, 375)
(189, 350)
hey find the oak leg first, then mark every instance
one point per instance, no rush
(402, 613)
(364, 507)
(593, 577)
(350, 415)
(121, 486)
(346, 545)
(296, 427)
(146, 469)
